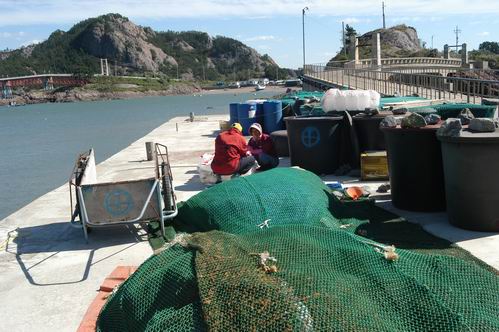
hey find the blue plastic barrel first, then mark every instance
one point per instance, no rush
(246, 114)
(272, 118)
(259, 113)
(233, 112)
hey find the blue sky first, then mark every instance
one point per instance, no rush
(272, 26)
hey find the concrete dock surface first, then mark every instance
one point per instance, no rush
(48, 273)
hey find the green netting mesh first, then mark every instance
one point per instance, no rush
(282, 196)
(320, 275)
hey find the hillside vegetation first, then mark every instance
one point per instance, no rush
(135, 50)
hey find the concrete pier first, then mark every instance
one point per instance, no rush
(49, 275)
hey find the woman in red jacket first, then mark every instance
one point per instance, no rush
(262, 148)
(231, 153)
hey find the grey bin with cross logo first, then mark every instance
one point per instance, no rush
(314, 143)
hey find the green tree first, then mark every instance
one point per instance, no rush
(492, 47)
(350, 34)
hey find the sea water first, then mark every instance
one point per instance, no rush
(39, 143)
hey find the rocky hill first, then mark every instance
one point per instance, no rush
(132, 49)
(398, 41)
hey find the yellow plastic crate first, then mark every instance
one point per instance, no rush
(374, 165)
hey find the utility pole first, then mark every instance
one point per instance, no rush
(383, 7)
(343, 37)
(431, 41)
(177, 71)
(234, 67)
(457, 32)
(303, 24)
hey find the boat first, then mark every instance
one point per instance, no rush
(259, 87)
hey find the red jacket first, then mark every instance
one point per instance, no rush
(265, 144)
(230, 146)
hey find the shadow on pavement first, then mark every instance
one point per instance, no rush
(56, 238)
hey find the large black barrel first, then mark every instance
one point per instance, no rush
(314, 143)
(471, 164)
(280, 139)
(369, 136)
(415, 167)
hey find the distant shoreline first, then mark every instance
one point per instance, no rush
(78, 94)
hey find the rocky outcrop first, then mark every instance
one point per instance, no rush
(400, 39)
(397, 41)
(117, 38)
(134, 50)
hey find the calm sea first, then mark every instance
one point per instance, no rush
(39, 143)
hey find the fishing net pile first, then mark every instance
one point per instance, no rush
(275, 252)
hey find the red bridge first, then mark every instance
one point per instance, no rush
(46, 81)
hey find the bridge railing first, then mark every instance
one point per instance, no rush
(416, 61)
(464, 85)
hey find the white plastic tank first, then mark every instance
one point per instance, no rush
(349, 100)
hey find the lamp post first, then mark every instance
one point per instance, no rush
(303, 25)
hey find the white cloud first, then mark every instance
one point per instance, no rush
(259, 38)
(71, 11)
(31, 42)
(483, 34)
(354, 20)
(6, 34)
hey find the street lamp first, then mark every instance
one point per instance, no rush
(303, 24)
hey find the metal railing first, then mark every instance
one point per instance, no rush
(415, 61)
(433, 83)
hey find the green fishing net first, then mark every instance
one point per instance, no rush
(276, 251)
